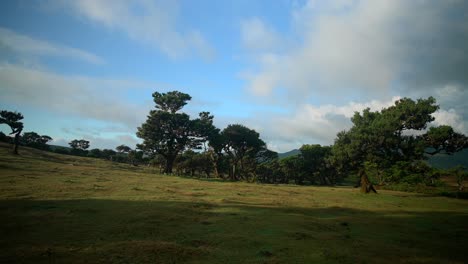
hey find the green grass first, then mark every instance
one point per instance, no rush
(65, 209)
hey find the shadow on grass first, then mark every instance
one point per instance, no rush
(113, 231)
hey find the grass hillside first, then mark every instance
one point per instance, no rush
(65, 209)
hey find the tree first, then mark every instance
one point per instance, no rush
(171, 102)
(79, 146)
(380, 138)
(241, 144)
(207, 133)
(12, 119)
(443, 139)
(35, 140)
(95, 153)
(167, 132)
(315, 157)
(5, 138)
(123, 149)
(108, 154)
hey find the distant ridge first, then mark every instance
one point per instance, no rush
(442, 161)
(290, 153)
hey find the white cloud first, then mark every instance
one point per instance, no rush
(149, 22)
(365, 49)
(451, 118)
(309, 124)
(26, 45)
(92, 98)
(256, 35)
(369, 47)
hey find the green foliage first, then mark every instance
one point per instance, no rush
(383, 144)
(32, 139)
(12, 119)
(444, 139)
(171, 101)
(5, 138)
(168, 133)
(79, 144)
(242, 145)
(315, 162)
(123, 149)
(79, 147)
(95, 153)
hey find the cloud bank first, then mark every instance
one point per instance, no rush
(23, 44)
(154, 23)
(368, 46)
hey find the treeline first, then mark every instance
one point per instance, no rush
(79, 147)
(382, 147)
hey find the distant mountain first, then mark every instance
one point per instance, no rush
(442, 161)
(290, 153)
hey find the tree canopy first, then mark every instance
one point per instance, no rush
(35, 140)
(12, 119)
(165, 131)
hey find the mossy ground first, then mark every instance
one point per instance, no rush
(66, 209)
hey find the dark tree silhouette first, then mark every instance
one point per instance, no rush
(240, 143)
(35, 140)
(12, 119)
(123, 149)
(378, 138)
(79, 146)
(167, 132)
(444, 139)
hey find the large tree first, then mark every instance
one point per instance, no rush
(166, 131)
(315, 163)
(384, 138)
(210, 138)
(241, 144)
(12, 119)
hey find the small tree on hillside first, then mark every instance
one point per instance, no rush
(12, 119)
(79, 146)
(123, 149)
(35, 140)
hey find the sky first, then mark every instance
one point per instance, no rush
(293, 70)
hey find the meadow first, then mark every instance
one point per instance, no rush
(67, 209)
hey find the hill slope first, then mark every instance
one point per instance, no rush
(64, 209)
(290, 153)
(449, 161)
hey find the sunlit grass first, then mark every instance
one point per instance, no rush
(66, 209)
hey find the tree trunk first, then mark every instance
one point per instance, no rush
(214, 162)
(233, 172)
(15, 149)
(169, 164)
(366, 185)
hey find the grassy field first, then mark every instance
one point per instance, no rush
(65, 209)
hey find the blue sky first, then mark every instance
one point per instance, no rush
(295, 71)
